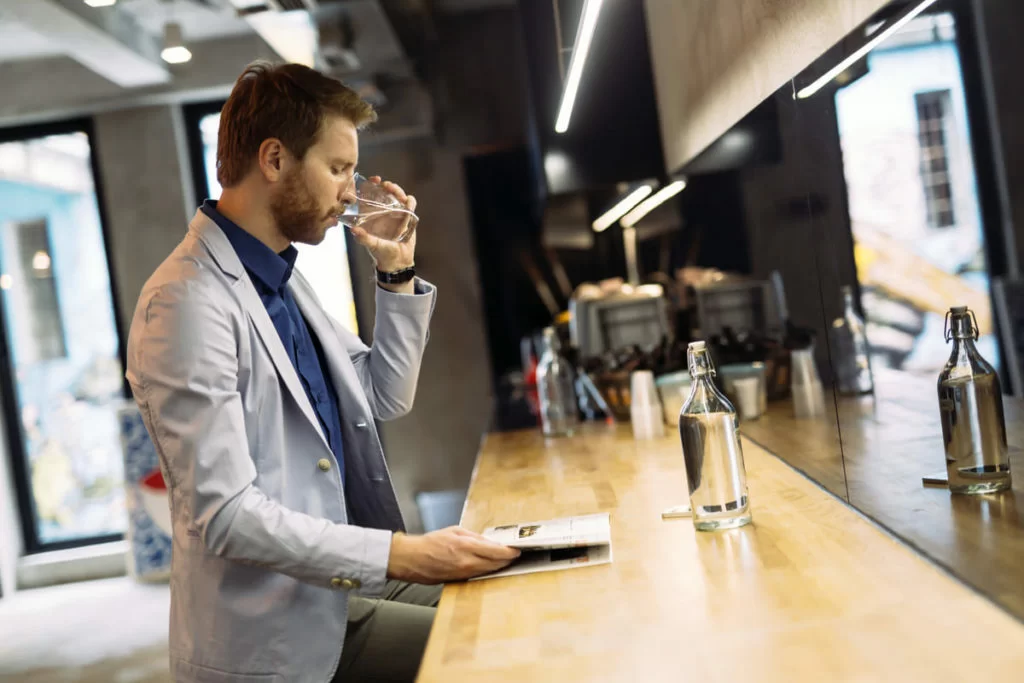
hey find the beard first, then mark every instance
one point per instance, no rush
(297, 212)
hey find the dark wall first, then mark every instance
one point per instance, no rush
(1000, 54)
(614, 134)
(479, 102)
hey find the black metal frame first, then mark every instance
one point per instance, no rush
(10, 402)
(193, 114)
(993, 223)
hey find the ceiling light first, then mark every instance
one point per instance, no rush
(619, 210)
(100, 3)
(174, 51)
(41, 261)
(866, 48)
(588, 22)
(648, 205)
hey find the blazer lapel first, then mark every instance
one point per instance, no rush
(224, 254)
(343, 374)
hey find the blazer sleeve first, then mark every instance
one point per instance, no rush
(183, 369)
(389, 370)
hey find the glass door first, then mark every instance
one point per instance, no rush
(60, 350)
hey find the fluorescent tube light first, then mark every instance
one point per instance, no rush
(866, 48)
(588, 22)
(648, 205)
(619, 210)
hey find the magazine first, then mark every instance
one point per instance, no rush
(554, 544)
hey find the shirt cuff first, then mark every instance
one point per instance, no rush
(420, 288)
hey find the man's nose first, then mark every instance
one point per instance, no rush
(348, 191)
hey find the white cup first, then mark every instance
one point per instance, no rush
(748, 397)
(645, 407)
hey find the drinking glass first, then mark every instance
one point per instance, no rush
(379, 212)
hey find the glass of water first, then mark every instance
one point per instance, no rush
(379, 212)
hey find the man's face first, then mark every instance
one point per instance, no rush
(313, 192)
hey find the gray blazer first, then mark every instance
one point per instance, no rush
(267, 545)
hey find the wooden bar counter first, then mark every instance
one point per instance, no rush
(811, 591)
(889, 442)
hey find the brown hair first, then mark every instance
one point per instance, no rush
(284, 101)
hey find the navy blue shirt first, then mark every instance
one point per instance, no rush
(269, 273)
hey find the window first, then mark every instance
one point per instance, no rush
(933, 110)
(60, 369)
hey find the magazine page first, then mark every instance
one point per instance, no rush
(533, 561)
(568, 532)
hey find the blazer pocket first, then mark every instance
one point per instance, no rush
(194, 673)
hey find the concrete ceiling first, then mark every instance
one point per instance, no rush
(106, 40)
(122, 42)
(19, 41)
(199, 20)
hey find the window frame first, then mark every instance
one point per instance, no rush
(14, 436)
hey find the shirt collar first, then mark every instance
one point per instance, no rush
(271, 269)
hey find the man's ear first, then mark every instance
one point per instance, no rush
(271, 159)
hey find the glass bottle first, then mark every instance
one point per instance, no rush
(709, 432)
(555, 378)
(971, 405)
(850, 342)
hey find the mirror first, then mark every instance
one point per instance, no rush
(891, 167)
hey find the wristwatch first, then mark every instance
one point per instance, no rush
(397, 277)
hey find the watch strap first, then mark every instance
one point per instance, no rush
(396, 277)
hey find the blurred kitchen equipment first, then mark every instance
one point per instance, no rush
(602, 320)
(971, 405)
(711, 450)
(645, 409)
(555, 380)
(674, 389)
(615, 389)
(743, 305)
(808, 394)
(588, 391)
(750, 376)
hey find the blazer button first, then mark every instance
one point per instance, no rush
(347, 584)
(324, 464)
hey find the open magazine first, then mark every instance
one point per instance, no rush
(555, 544)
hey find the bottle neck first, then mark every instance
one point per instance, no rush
(961, 328)
(700, 366)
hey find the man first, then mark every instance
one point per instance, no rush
(262, 410)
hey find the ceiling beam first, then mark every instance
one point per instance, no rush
(107, 41)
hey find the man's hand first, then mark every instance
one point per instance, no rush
(390, 256)
(451, 554)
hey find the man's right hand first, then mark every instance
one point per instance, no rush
(451, 554)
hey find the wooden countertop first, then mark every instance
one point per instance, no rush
(889, 442)
(810, 591)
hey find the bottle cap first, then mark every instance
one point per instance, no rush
(697, 346)
(958, 310)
